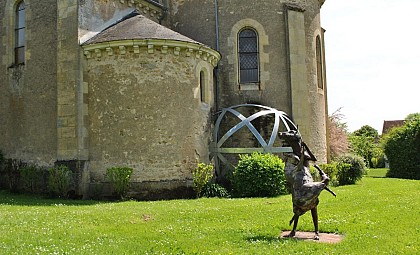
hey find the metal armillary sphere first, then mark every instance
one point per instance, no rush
(281, 122)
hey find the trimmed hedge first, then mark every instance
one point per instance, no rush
(402, 148)
(259, 175)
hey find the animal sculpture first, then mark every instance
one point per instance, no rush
(305, 191)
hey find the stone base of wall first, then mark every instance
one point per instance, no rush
(150, 190)
(174, 189)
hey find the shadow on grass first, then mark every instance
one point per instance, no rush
(7, 198)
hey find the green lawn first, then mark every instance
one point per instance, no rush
(377, 172)
(376, 216)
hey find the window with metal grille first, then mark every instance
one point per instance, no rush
(248, 56)
(20, 34)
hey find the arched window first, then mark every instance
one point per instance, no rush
(248, 56)
(319, 66)
(20, 33)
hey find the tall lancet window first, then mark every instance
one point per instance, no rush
(319, 66)
(20, 34)
(248, 56)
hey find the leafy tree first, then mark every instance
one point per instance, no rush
(365, 143)
(413, 116)
(367, 131)
(402, 147)
(362, 146)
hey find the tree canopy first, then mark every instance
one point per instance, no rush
(402, 147)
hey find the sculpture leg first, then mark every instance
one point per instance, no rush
(295, 220)
(314, 213)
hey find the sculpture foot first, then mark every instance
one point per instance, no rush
(291, 234)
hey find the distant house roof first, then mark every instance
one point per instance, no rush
(136, 26)
(390, 124)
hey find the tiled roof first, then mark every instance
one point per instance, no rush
(389, 124)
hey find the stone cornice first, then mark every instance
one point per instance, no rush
(146, 7)
(178, 48)
(294, 7)
(321, 2)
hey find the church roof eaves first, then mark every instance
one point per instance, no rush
(178, 48)
(137, 32)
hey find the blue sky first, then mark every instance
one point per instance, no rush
(372, 59)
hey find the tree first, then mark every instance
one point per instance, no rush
(362, 146)
(365, 142)
(402, 147)
(337, 134)
(413, 116)
(367, 131)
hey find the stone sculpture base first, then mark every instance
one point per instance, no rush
(309, 236)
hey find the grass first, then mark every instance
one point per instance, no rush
(377, 172)
(376, 216)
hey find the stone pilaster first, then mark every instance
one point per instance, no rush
(301, 108)
(68, 78)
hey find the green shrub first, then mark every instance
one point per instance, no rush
(119, 178)
(201, 176)
(331, 170)
(259, 175)
(350, 169)
(32, 178)
(374, 162)
(12, 168)
(60, 181)
(314, 172)
(214, 190)
(402, 148)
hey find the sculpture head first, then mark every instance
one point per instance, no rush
(293, 139)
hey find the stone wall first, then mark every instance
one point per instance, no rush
(95, 16)
(145, 112)
(141, 106)
(287, 77)
(28, 99)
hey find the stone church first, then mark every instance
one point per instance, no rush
(101, 83)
